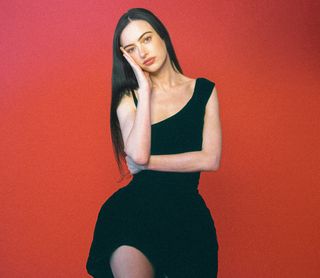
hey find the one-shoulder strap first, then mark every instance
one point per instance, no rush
(205, 89)
(134, 98)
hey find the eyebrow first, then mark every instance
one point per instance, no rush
(138, 38)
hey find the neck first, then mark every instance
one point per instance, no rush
(165, 78)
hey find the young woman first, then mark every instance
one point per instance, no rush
(166, 126)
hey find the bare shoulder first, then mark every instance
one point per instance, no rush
(126, 103)
(126, 109)
(212, 106)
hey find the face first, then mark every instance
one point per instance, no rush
(142, 42)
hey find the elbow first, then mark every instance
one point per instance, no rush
(213, 164)
(215, 167)
(212, 167)
(138, 157)
(141, 159)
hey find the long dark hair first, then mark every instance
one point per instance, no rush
(123, 77)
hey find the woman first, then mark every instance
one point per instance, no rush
(166, 125)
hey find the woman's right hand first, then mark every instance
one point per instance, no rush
(142, 76)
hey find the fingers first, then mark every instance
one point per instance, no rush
(143, 77)
(124, 52)
(128, 57)
(136, 67)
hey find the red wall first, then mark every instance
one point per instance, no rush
(56, 160)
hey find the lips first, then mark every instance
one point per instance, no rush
(149, 61)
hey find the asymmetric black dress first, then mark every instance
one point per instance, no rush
(162, 213)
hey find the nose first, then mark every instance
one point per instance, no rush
(142, 51)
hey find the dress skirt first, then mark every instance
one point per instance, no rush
(174, 229)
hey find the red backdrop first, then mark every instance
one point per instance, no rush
(57, 164)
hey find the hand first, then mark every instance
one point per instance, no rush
(142, 76)
(134, 167)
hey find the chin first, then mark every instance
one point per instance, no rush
(151, 69)
(156, 66)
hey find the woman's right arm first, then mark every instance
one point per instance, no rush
(135, 126)
(135, 123)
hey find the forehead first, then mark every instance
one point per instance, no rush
(133, 30)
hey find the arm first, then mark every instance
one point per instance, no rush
(182, 162)
(135, 123)
(208, 159)
(135, 127)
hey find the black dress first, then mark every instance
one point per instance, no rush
(162, 213)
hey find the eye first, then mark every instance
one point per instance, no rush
(147, 38)
(129, 50)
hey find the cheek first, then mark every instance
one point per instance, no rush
(158, 49)
(134, 57)
(163, 48)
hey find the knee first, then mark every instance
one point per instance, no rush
(128, 261)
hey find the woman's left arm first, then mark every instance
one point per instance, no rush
(208, 159)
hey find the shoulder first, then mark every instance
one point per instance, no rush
(127, 100)
(206, 89)
(206, 82)
(126, 107)
(190, 83)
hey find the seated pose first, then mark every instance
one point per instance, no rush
(166, 127)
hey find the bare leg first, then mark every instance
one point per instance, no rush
(128, 261)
